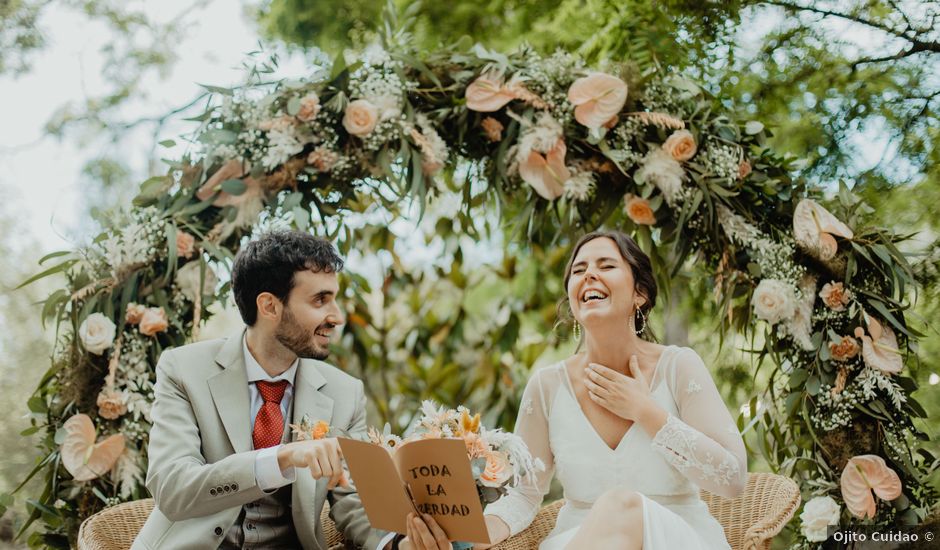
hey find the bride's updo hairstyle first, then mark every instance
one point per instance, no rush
(643, 279)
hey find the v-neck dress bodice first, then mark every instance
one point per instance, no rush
(667, 469)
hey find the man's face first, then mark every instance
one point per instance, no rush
(310, 315)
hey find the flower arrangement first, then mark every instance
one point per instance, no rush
(498, 459)
(559, 147)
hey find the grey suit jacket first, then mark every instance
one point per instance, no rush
(201, 463)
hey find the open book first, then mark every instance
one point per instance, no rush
(430, 476)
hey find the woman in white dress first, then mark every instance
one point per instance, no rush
(632, 429)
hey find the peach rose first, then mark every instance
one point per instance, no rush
(320, 429)
(309, 107)
(846, 349)
(744, 169)
(492, 128)
(487, 94)
(835, 296)
(773, 301)
(154, 320)
(134, 313)
(598, 98)
(681, 145)
(360, 118)
(111, 404)
(639, 210)
(185, 245)
(547, 174)
(497, 471)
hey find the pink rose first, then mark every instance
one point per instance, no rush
(546, 174)
(361, 118)
(153, 321)
(598, 98)
(185, 245)
(309, 107)
(487, 94)
(681, 145)
(744, 169)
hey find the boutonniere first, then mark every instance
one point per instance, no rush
(310, 429)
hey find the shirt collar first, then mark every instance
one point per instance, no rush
(255, 372)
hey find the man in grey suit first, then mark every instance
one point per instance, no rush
(223, 469)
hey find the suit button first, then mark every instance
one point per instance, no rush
(234, 486)
(218, 531)
(227, 488)
(212, 491)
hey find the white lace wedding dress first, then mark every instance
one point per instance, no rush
(698, 447)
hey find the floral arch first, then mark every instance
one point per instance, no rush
(560, 149)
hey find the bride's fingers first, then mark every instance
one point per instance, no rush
(596, 388)
(597, 399)
(603, 371)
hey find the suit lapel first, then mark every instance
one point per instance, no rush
(308, 400)
(229, 389)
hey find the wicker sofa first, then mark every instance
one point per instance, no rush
(750, 520)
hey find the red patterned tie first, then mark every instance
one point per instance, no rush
(269, 424)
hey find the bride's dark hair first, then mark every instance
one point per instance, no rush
(643, 280)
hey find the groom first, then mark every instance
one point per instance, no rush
(223, 469)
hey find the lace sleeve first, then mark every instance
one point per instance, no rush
(703, 443)
(520, 505)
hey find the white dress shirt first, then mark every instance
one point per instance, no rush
(268, 474)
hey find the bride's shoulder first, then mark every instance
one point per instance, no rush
(548, 375)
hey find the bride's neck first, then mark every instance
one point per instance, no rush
(612, 348)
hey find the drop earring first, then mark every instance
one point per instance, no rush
(642, 318)
(576, 331)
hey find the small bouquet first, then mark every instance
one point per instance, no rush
(498, 459)
(310, 429)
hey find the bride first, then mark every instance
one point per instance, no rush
(631, 428)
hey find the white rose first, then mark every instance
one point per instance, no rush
(663, 171)
(97, 333)
(187, 279)
(774, 301)
(818, 514)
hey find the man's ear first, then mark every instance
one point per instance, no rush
(269, 307)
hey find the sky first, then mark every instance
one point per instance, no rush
(40, 176)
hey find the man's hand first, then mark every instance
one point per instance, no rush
(322, 457)
(424, 535)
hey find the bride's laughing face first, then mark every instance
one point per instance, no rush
(601, 287)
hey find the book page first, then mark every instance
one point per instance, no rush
(380, 488)
(441, 481)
